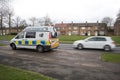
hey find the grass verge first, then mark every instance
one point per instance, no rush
(2, 44)
(66, 39)
(111, 57)
(6, 37)
(10, 73)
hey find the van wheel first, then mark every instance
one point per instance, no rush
(80, 46)
(13, 46)
(107, 48)
(40, 49)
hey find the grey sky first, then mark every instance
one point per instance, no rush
(67, 10)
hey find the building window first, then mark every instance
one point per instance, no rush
(102, 28)
(63, 28)
(102, 33)
(75, 32)
(69, 33)
(83, 28)
(83, 33)
(96, 27)
(88, 28)
(58, 28)
(69, 28)
(75, 28)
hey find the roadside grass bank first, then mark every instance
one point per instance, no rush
(111, 57)
(71, 39)
(2, 44)
(6, 37)
(11, 73)
(66, 39)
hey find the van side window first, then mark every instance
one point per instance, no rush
(41, 35)
(30, 34)
(20, 36)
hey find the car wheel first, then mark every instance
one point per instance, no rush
(107, 48)
(40, 49)
(80, 46)
(13, 46)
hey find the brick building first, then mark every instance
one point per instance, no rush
(81, 28)
(117, 27)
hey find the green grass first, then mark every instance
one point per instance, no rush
(111, 57)
(6, 37)
(116, 39)
(71, 38)
(2, 44)
(10, 73)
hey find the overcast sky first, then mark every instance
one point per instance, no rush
(67, 10)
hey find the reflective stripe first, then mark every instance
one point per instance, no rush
(32, 42)
(16, 42)
(26, 42)
(47, 42)
(23, 42)
(19, 42)
(42, 42)
(38, 42)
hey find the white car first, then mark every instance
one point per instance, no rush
(95, 42)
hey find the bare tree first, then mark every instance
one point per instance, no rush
(33, 20)
(3, 8)
(40, 21)
(4, 11)
(107, 20)
(10, 14)
(118, 15)
(45, 21)
(17, 21)
(23, 23)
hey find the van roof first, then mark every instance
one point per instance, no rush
(38, 28)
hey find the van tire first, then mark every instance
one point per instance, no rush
(13, 46)
(40, 49)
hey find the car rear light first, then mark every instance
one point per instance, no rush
(49, 36)
(113, 42)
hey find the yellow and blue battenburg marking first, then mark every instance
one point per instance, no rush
(32, 42)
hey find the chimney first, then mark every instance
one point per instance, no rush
(97, 22)
(86, 23)
(62, 22)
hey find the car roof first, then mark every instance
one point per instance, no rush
(102, 36)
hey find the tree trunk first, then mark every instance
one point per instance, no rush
(9, 23)
(1, 24)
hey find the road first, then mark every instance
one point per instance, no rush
(70, 47)
(64, 63)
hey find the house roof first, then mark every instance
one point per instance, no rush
(79, 24)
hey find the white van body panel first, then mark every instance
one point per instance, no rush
(31, 37)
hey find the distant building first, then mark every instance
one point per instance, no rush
(87, 29)
(117, 28)
(13, 30)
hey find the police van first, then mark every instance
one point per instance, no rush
(40, 38)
